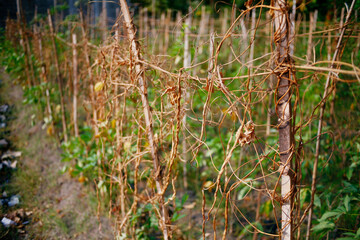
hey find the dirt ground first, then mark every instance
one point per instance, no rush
(59, 206)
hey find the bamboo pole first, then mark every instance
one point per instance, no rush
(58, 78)
(321, 116)
(122, 178)
(92, 22)
(292, 29)
(43, 72)
(224, 21)
(141, 23)
(92, 94)
(309, 44)
(341, 24)
(304, 28)
(28, 56)
(75, 84)
(199, 42)
(232, 19)
(253, 31)
(186, 64)
(22, 41)
(178, 24)
(146, 26)
(167, 26)
(104, 20)
(244, 36)
(297, 169)
(284, 112)
(88, 67)
(139, 72)
(153, 25)
(161, 32)
(205, 18)
(271, 78)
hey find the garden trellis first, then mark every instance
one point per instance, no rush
(176, 105)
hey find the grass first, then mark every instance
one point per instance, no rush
(62, 207)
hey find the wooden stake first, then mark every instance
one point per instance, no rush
(199, 43)
(271, 79)
(253, 18)
(139, 73)
(224, 21)
(283, 109)
(292, 29)
(104, 20)
(309, 44)
(178, 25)
(244, 36)
(58, 78)
(43, 72)
(75, 83)
(341, 19)
(141, 23)
(187, 63)
(167, 26)
(161, 32)
(153, 25)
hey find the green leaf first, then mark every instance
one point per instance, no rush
(357, 233)
(305, 194)
(323, 226)
(349, 173)
(267, 208)
(243, 192)
(349, 234)
(184, 198)
(177, 216)
(317, 201)
(329, 215)
(347, 203)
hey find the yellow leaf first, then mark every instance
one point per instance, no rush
(81, 179)
(50, 130)
(150, 183)
(71, 170)
(99, 86)
(127, 146)
(233, 116)
(352, 106)
(57, 108)
(208, 185)
(113, 123)
(302, 6)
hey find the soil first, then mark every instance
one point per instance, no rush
(56, 205)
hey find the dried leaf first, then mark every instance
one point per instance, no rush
(99, 86)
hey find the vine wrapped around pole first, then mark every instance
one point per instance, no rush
(139, 73)
(284, 114)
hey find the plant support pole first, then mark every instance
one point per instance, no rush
(283, 109)
(187, 63)
(139, 73)
(58, 78)
(75, 82)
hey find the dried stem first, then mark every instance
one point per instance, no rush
(139, 73)
(58, 78)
